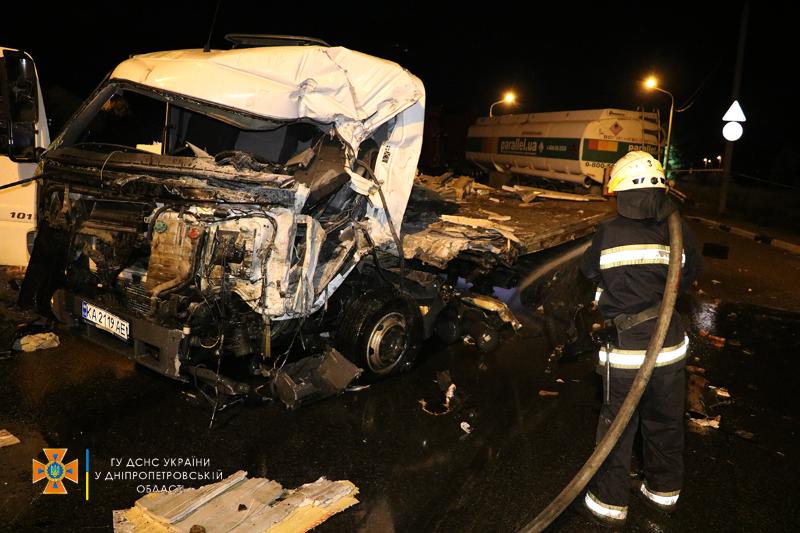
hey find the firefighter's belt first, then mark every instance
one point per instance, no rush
(625, 322)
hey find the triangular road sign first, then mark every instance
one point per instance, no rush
(734, 114)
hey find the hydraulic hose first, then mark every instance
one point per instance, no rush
(609, 440)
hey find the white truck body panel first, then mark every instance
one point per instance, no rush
(18, 204)
(571, 146)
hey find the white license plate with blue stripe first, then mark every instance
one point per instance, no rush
(105, 320)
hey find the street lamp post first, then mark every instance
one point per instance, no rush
(508, 98)
(652, 83)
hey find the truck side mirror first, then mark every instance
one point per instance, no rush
(20, 98)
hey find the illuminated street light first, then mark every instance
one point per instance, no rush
(719, 160)
(508, 98)
(652, 84)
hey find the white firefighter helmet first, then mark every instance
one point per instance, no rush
(636, 170)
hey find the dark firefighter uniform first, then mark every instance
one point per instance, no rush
(628, 260)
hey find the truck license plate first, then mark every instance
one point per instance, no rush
(105, 320)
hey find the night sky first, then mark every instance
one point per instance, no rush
(562, 56)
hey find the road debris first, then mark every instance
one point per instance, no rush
(707, 422)
(38, 341)
(716, 282)
(466, 428)
(491, 215)
(505, 231)
(527, 194)
(548, 393)
(447, 386)
(696, 401)
(722, 392)
(7, 439)
(219, 507)
(314, 378)
(554, 355)
(744, 434)
(718, 342)
(559, 380)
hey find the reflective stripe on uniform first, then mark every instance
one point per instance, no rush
(631, 359)
(597, 294)
(661, 498)
(636, 254)
(603, 509)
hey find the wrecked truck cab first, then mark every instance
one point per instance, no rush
(207, 205)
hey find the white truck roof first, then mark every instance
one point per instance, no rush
(355, 91)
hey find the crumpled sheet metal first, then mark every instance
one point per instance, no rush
(441, 242)
(356, 92)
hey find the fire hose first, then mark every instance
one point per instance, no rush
(609, 440)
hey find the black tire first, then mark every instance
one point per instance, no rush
(381, 332)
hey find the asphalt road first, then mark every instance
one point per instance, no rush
(417, 472)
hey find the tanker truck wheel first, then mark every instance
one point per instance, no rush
(381, 332)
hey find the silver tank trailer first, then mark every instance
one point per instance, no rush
(570, 146)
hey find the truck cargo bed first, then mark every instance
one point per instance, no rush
(457, 219)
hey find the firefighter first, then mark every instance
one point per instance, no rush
(628, 260)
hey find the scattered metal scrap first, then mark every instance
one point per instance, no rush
(702, 399)
(716, 341)
(237, 504)
(447, 386)
(707, 422)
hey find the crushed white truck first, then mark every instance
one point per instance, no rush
(23, 136)
(203, 207)
(576, 147)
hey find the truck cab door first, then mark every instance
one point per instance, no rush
(23, 137)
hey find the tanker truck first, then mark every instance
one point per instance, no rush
(575, 147)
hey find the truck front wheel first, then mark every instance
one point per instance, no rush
(380, 332)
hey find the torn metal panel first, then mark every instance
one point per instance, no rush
(440, 242)
(237, 504)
